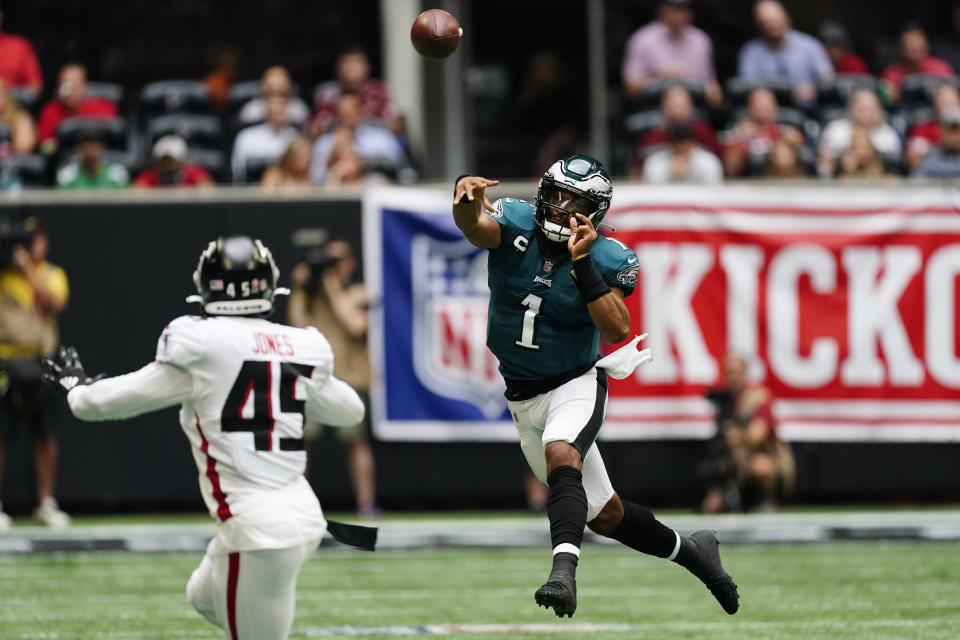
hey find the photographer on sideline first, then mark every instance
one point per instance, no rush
(33, 292)
(325, 296)
(748, 466)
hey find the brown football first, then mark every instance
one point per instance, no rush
(435, 34)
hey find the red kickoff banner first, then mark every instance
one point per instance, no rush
(844, 300)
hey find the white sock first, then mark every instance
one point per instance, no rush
(566, 547)
(676, 549)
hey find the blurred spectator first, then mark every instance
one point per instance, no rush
(670, 47)
(676, 106)
(223, 76)
(326, 296)
(33, 293)
(755, 134)
(837, 42)
(549, 111)
(864, 112)
(275, 82)
(944, 161)
(89, 170)
(782, 52)
(748, 465)
(682, 160)
(924, 136)
(72, 100)
(355, 150)
(266, 141)
(293, 168)
(860, 160)
(170, 167)
(783, 161)
(18, 61)
(353, 76)
(947, 46)
(915, 58)
(22, 134)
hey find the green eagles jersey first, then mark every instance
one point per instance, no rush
(538, 325)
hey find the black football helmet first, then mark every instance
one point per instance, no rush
(236, 276)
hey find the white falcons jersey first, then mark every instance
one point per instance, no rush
(244, 386)
(245, 417)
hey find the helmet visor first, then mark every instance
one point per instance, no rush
(560, 204)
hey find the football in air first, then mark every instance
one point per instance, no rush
(435, 34)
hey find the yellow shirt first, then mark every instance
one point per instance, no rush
(26, 328)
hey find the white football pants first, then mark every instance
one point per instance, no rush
(573, 412)
(249, 594)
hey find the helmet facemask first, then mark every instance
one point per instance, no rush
(557, 203)
(573, 185)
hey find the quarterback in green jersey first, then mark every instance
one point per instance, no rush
(556, 288)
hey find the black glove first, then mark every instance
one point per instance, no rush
(65, 371)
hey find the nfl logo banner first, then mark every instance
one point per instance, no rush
(435, 379)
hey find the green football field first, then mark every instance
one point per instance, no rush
(827, 590)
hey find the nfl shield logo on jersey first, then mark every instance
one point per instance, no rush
(450, 299)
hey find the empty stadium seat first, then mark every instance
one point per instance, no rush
(256, 168)
(32, 169)
(738, 90)
(196, 130)
(26, 98)
(917, 89)
(637, 124)
(837, 91)
(241, 93)
(171, 96)
(106, 90)
(213, 160)
(828, 114)
(112, 131)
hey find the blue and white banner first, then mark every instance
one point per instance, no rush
(434, 378)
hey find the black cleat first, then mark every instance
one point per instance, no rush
(706, 565)
(559, 594)
(560, 589)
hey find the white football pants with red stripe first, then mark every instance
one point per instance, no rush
(249, 594)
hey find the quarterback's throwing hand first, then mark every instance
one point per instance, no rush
(474, 187)
(582, 235)
(64, 370)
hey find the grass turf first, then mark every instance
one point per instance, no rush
(835, 590)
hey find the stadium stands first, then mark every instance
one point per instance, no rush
(184, 107)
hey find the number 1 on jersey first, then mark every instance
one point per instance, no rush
(528, 333)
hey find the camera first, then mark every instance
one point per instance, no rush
(723, 403)
(13, 233)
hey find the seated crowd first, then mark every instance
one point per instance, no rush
(195, 133)
(799, 106)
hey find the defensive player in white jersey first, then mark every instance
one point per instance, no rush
(244, 385)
